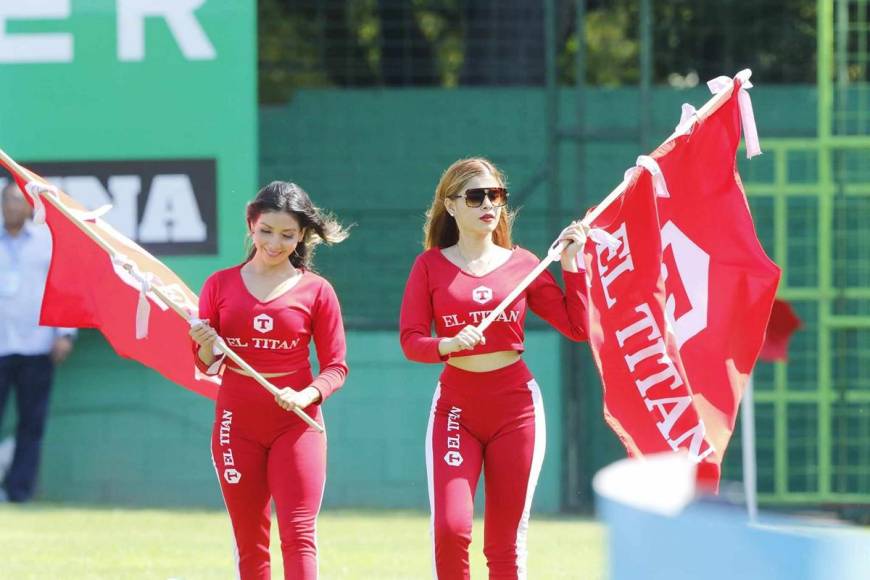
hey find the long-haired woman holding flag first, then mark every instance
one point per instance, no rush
(269, 309)
(487, 411)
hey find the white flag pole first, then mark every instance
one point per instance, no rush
(747, 431)
(552, 255)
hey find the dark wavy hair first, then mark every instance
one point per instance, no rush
(319, 225)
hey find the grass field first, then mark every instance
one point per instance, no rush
(51, 542)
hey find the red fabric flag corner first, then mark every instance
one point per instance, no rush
(782, 325)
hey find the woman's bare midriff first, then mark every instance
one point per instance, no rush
(264, 375)
(484, 363)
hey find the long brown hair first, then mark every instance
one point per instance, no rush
(319, 225)
(440, 230)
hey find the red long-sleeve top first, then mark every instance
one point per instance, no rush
(274, 336)
(440, 292)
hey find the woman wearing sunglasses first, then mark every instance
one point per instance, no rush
(487, 411)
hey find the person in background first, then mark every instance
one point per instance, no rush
(29, 352)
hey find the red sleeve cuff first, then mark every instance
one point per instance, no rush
(424, 350)
(213, 368)
(323, 387)
(574, 279)
(329, 381)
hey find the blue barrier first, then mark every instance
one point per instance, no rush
(659, 530)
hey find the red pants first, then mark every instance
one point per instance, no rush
(262, 452)
(492, 420)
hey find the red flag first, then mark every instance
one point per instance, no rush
(678, 311)
(783, 323)
(87, 288)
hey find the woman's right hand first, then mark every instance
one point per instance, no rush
(203, 335)
(466, 339)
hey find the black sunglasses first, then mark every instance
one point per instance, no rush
(474, 197)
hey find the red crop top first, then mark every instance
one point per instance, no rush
(439, 291)
(274, 336)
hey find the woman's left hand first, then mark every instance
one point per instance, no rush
(288, 399)
(575, 233)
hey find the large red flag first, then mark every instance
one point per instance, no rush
(678, 311)
(96, 278)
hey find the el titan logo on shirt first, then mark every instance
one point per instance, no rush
(263, 323)
(481, 294)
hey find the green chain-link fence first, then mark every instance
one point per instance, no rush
(513, 69)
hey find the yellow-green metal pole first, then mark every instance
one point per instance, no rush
(824, 82)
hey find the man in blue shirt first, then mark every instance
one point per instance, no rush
(28, 352)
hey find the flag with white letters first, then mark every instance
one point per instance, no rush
(678, 311)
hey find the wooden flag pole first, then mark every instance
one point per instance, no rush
(12, 165)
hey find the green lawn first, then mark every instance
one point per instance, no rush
(40, 541)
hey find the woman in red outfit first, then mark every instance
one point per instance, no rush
(268, 310)
(487, 411)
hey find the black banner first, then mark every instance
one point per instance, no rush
(169, 207)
